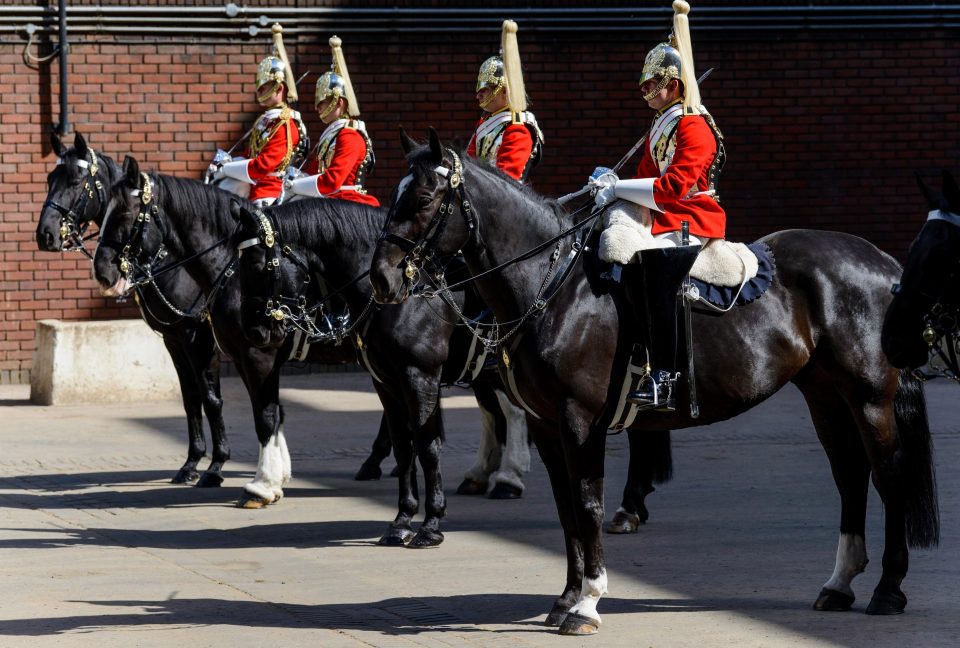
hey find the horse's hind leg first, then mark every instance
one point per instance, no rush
(192, 407)
(209, 376)
(840, 437)
(370, 469)
(650, 460)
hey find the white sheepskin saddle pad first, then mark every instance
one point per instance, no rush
(627, 231)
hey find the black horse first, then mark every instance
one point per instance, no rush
(76, 197)
(818, 325)
(202, 225)
(922, 321)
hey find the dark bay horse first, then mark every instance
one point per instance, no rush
(76, 196)
(818, 326)
(202, 225)
(922, 321)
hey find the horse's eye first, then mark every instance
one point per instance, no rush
(895, 289)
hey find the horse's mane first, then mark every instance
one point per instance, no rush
(338, 222)
(514, 188)
(188, 197)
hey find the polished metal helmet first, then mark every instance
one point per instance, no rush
(663, 61)
(491, 74)
(272, 72)
(330, 84)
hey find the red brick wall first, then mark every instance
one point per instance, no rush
(823, 129)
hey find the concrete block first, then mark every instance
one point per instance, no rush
(100, 362)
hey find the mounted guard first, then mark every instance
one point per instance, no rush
(344, 154)
(277, 139)
(507, 134)
(675, 183)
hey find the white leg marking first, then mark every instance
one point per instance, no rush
(488, 454)
(516, 453)
(269, 480)
(851, 560)
(285, 455)
(593, 589)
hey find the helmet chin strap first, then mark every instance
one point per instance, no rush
(491, 96)
(263, 96)
(331, 106)
(660, 86)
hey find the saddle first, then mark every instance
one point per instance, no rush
(722, 273)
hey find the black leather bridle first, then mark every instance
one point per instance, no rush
(73, 220)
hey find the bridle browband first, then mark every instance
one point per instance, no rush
(941, 330)
(72, 228)
(294, 312)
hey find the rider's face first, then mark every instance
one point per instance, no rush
(667, 95)
(491, 100)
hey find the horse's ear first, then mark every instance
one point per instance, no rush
(950, 191)
(406, 142)
(933, 199)
(436, 150)
(57, 145)
(80, 144)
(131, 172)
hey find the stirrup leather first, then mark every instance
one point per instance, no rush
(655, 392)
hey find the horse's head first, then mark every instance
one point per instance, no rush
(130, 235)
(272, 281)
(430, 220)
(75, 195)
(926, 301)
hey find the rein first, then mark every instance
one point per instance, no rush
(294, 312)
(72, 229)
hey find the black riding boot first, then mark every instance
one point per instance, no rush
(654, 293)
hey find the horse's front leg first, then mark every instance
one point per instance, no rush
(209, 374)
(424, 405)
(547, 441)
(400, 531)
(273, 465)
(584, 453)
(191, 396)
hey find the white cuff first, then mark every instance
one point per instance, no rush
(637, 190)
(306, 187)
(237, 170)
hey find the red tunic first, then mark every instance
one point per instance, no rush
(515, 148)
(349, 153)
(695, 150)
(272, 159)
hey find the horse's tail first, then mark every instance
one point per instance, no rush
(659, 455)
(916, 463)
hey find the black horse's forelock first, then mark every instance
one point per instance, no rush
(354, 225)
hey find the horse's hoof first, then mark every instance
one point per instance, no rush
(210, 480)
(368, 472)
(624, 522)
(556, 616)
(185, 476)
(251, 501)
(833, 601)
(887, 602)
(471, 487)
(396, 537)
(576, 625)
(503, 491)
(426, 539)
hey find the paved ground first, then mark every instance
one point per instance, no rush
(97, 548)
